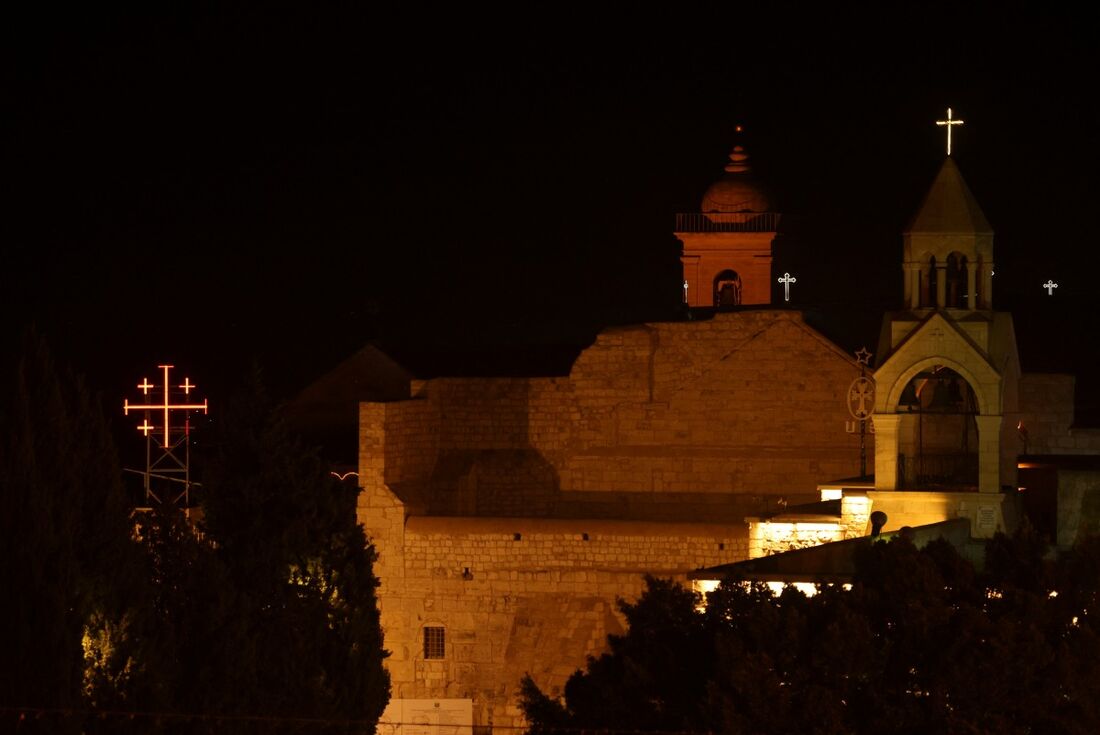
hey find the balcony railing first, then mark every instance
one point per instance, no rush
(728, 222)
(938, 471)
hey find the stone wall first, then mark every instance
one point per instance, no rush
(518, 596)
(515, 512)
(747, 403)
(1046, 414)
(1078, 507)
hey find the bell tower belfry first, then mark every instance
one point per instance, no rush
(727, 256)
(948, 248)
(947, 371)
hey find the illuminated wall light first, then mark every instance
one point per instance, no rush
(705, 586)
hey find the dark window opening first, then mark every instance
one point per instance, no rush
(434, 642)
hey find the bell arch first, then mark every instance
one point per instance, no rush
(986, 404)
(937, 432)
(727, 288)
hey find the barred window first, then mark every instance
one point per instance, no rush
(434, 642)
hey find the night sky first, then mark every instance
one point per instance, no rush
(217, 186)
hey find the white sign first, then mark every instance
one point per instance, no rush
(427, 717)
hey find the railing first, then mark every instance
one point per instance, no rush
(728, 222)
(938, 471)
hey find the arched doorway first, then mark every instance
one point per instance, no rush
(727, 288)
(938, 433)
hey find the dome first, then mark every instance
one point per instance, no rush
(737, 190)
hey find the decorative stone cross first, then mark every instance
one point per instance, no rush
(948, 123)
(787, 280)
(1050, 285)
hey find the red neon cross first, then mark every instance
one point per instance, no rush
(187, 386)
(145, 385)
(167, 407)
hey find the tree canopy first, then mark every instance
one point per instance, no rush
(922, 642)
(260, 617)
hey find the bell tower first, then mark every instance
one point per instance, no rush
(948, 248)
(727, 255)
(947, 371)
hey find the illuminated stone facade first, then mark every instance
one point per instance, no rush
(514, 512)
(510, 514)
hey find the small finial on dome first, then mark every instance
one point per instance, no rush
(739, 161)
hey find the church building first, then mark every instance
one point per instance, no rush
(510, 514)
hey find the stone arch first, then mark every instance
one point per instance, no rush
(955, 273)
(986, 405)
(938, 436)
(726, 288)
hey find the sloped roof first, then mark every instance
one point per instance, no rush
(949, 206)
(833, 562)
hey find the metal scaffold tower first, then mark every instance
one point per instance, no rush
(167, 474)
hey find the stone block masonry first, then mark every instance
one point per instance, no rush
(514, 513)
(519, 596)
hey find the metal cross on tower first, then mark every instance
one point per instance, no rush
(949, 123)
(787, 280)
(1050, 285)
(167, 445)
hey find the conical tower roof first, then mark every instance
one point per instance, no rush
(949, 207)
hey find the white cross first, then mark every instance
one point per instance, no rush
(787, 280)
(685, 292)
(1050, 285)
(948, 123)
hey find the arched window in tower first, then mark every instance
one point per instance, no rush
(964, 283)
(727, 288)
(953, 289)
(928, 280)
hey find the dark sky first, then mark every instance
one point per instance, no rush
(214, 186)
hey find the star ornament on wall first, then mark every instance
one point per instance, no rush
(863, 357)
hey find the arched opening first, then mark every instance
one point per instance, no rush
(928, 279)
(938, 434)
(956, 276)
(727, 288)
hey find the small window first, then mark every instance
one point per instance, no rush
(434, 642)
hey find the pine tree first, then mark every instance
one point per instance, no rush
(65, 550)
(286, 531)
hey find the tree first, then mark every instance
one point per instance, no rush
(920, 643)
(286, 532)
(64, 533)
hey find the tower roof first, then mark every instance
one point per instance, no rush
(737, 190)
(949, 206)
